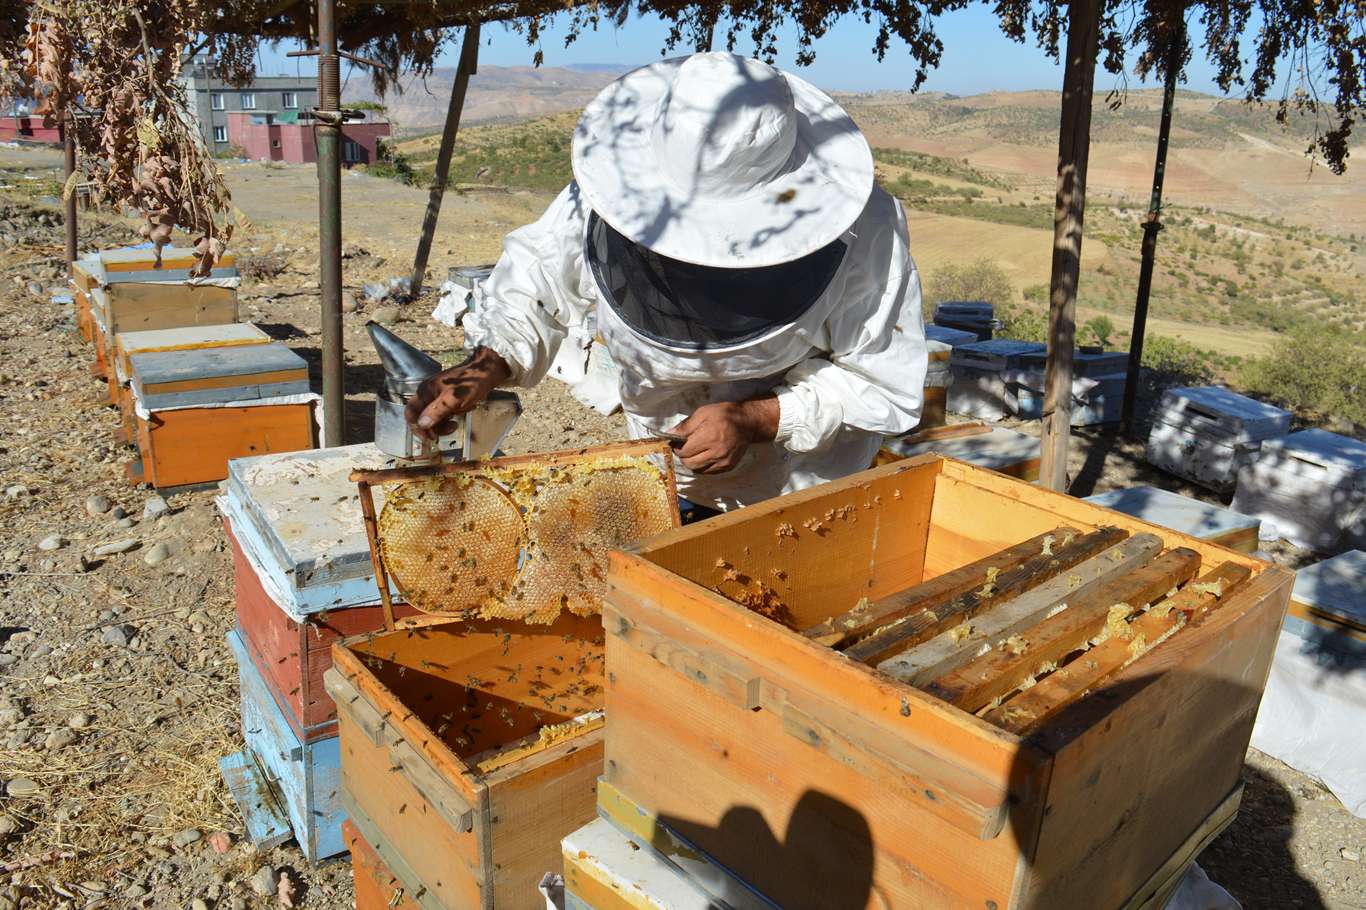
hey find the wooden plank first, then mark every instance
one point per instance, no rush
(930, 595)
(732, 784)
(1003, 670)
(533, 805)
(139, 307)
(954, 794)
(951, 431)
(1033, 572)
(949, 650)
(262, 814)
(1038, 703)
(439, 867)
(308, 774)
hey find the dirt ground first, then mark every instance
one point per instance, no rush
(118, 693)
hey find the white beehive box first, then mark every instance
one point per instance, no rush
(1311, 486)
(978, 388)
(1207, 433)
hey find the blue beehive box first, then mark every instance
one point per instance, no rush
(283, 785)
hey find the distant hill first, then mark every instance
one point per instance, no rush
(496, 94)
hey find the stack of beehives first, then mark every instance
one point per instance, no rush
(303, 576)
(194, 387)
(471, 737)
(962, 692)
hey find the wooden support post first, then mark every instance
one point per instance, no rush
(469, 62)
(1074, 146)
(1152, 225)
(329, 136)
(69, 202)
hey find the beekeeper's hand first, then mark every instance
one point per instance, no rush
(718, 433)
(456, 391)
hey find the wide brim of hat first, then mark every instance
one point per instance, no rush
(812, 203)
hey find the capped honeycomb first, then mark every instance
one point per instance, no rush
(521, 538)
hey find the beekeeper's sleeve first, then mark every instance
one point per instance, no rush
(534, 293)
(873, 378)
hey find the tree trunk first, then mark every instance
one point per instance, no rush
(1152, 225)
(1074, 145)
(469, 57)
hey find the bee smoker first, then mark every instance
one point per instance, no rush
(476, 435)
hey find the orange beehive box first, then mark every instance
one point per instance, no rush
(198, 409)
(442, 761)
(376, 887)
(470, 747)
(820, 781)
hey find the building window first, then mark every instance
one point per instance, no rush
(216, 101)
(248, 100)
(275, 143)
(352, 151)
(289, 100)
(220, 134)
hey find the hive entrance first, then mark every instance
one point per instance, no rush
(519, 538)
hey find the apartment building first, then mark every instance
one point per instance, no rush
(211, 100)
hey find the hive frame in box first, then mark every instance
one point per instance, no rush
(365, 479)
(715, 708)
(477, 827)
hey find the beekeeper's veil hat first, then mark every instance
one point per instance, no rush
(722, 161)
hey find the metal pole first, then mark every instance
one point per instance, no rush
(1152, 226)
(1074, 148)
(69, 146)
(329, 222)
(469, 62)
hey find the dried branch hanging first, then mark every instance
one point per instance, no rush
(114, 67)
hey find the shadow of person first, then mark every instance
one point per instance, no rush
(1252, 858)
(823, 862)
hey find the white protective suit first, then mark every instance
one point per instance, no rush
(850, 370)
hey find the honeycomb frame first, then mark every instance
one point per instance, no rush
(510, 517)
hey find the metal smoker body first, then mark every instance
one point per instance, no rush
(476, 435)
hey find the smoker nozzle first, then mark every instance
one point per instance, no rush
(403, 364)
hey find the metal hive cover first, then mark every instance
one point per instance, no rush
(522, 538)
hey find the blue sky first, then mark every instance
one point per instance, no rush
(977, 57)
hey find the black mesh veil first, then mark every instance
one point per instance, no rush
(699, 307)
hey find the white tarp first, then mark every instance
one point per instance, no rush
(1312, 718)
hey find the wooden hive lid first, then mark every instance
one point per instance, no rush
(949, 336)
(142, 257)
(1335, 587)
(191, 337)
(997, 449)
(136, 265)
(1315, 455)
(1214, 410)
(298, 518)
(163, 379)
(1172, 510)
(996, 354)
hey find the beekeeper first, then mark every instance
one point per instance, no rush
(752, 284)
